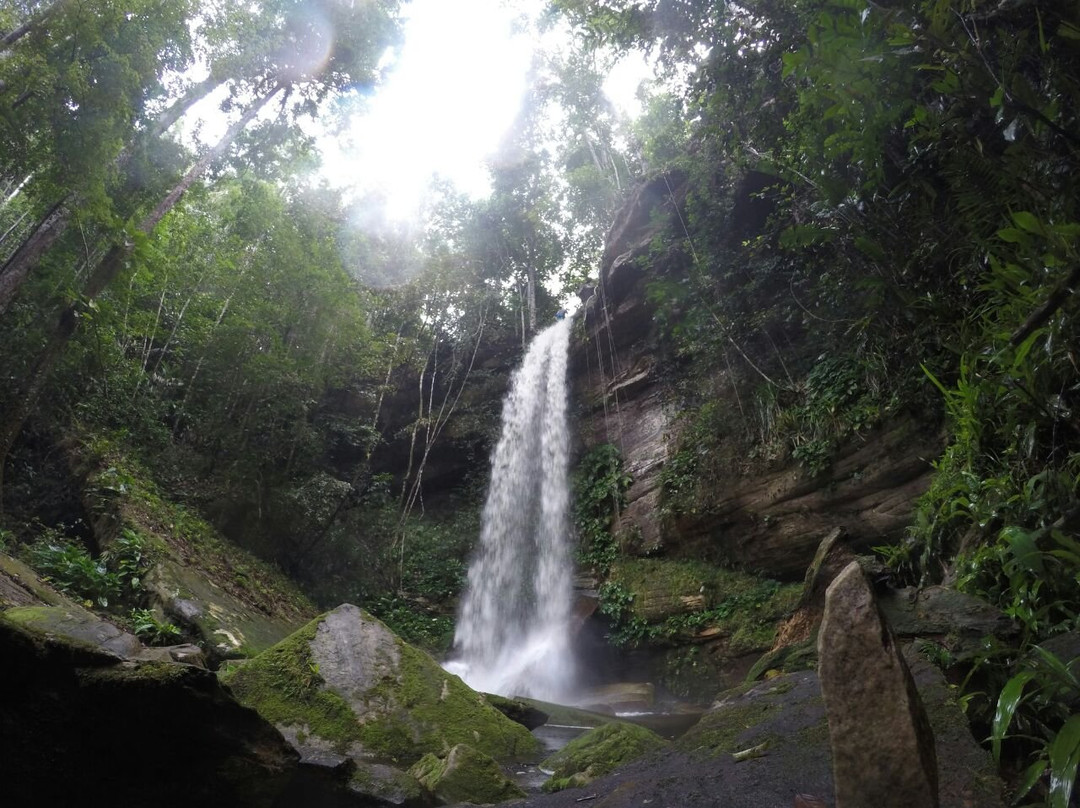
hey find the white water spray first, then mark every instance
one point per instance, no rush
(514, 628)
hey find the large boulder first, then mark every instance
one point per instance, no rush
(882, 744)
(80, 725)
(345, 681)
(465, 775)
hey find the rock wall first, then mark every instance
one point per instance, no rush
(767, 517)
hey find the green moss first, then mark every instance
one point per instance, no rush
(662, 601)
(433, 711)
(27, 579)
(284, 686)
(718, 732)
(598, 752)
(416, 709)
(798, 657)
(143, 673)
(465, 775)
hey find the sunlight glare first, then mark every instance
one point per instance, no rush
(452, 92)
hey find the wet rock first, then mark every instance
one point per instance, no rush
(228, 627)
(619, 697)
(77, 625)
(383, 785)
(20, 586)
(967, 776)
(598, 752)
(882, 745)
(518, 711)
(186, 654)
(829, 561)
(465, 775)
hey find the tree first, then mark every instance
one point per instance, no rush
(288, 65)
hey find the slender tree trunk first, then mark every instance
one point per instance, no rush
(17, 268)
(102, 275)
(13, 228)
(531, 271)
(8, 40)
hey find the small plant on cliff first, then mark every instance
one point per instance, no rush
(68, 566)
(151, 630)
(600, 485)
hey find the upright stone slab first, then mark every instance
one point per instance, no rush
(882, 745)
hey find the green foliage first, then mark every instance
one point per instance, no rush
(688, 475)
(599, 489)
(69, 567)
(110, 581)
(151, 630)
(644, 602)
(1034, 712)
(414, 624)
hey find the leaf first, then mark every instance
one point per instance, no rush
(1030, 778)
(1023, 549)
(1007, 703)
(1025, 347)
(1011, 235)
(934, 379)
(1028, 221)
(1057, 667)
(1064, 758)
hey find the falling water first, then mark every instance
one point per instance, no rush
(513, 632)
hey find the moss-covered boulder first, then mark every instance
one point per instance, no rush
(348, 681)
(598, 752)
(465, 775)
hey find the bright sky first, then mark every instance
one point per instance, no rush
(454, 88)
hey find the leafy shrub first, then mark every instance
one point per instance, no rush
(68, 566)
(151, 630)
(433, 632)
(112, 579)
(1035, 714)
(600, 484)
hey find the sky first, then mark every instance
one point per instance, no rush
(452, 91)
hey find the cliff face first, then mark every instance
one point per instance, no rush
(767, 515)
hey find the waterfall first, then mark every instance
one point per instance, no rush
(514, 627)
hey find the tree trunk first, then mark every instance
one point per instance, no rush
(531, 271)
(17, 268)
(101, 276)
